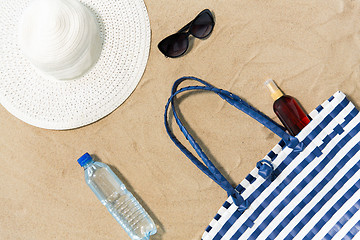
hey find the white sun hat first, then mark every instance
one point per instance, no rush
(67, 63)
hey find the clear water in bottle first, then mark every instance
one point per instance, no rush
(118, 200)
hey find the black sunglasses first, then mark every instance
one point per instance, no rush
(176, 45)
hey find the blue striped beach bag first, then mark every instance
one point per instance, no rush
(306, 187)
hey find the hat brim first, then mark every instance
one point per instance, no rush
(52, 104)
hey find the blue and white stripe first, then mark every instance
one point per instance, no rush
(315, 194)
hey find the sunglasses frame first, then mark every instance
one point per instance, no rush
(187, 31)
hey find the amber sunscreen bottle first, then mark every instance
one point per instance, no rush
(287, 109)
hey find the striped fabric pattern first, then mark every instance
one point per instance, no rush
(315, 193)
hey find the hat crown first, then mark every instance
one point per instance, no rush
(61, 38)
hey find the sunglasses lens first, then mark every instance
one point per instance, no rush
(174, 45)
(202, 25)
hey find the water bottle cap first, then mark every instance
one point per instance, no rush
(84, 159)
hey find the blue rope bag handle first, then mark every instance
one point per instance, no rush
(207, 166)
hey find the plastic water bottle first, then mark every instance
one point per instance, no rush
(117, 199)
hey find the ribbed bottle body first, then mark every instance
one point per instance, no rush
(122, 205)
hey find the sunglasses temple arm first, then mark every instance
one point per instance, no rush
(186, 27)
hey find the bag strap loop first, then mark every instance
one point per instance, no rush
(207, 166)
